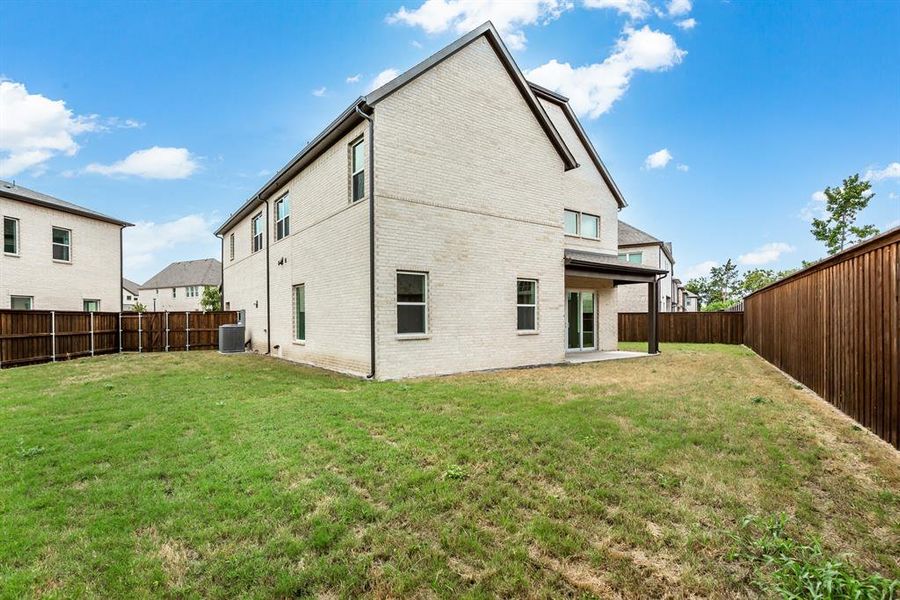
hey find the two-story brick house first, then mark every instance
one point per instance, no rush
(457, 218)
(640, 248)
(180, 285)
(58, 255)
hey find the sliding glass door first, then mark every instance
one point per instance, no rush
(580, 320)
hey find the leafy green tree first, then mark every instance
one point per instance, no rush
(719, 305)
(138, 307)
(756, 279)
(701, 287)
(724, 281)
(842, 205)
(211, 299)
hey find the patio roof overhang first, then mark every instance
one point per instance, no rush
(582, 263)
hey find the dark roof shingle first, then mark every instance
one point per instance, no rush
(206, 271)
(24, 194)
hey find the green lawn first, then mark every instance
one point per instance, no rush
(188, 475)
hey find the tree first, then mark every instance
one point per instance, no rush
(211, 299)
(756, 279)
(138, 307)
(700, 286)
(842, 204)
(723, 282)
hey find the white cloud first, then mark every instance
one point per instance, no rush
(765, 254)
(683, 167)
(319, 92)
(149, 246)
(460, 16)
(382, 78)
(354, 78)
(700, 269)
(679, 7)
(815, 208)
(152, 163)
(687, 23)
(592, 89)
(892, 171)
(416, 44)
(658, 160)
(636, 9)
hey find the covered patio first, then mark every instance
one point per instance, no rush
(584, 268)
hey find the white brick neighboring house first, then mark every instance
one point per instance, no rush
(691, 301)
(58, 255)
(130, 291)
(641, 248)
(487, 237)
(180, 285)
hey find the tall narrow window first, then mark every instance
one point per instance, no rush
(256, 233)
(173, 292)
(526, 304)
(357, 171)
(231, 246)
(570, 220)
(21, 302)
(10, 235)
(590, 226)
(282, 218)
(62, 244)
(300, 313)
(91, 305)
(412, 302)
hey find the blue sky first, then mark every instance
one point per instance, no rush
(718, 120)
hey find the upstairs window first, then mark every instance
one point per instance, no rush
(412, 303)
(590, 226)
(173, 292)
(231, 246)
(632, 257)
(526, 304)
(357, 171)
(192, 291)
(256, 233)
(62, 244)
(282, 218)
(10, 235)
(571, 222)
(300, 313)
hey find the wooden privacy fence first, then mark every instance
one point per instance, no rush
(33, 336)
(835, 326)
(696, 327)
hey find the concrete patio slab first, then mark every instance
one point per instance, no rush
(586, 357)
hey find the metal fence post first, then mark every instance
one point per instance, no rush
(139, 333)
(187, 331)
(167, 330)
(53, 335)
(92, 334)
(120, 333)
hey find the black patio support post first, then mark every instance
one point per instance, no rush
(652, 318)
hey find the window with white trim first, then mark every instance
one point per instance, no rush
(231, 246)
(10, 235)
(62, 244)
(21, 302)
(632, 257)
(91, 305)
(256, 233)
(173, 292)
(282, 218)
(570, 220)
(590, 226)
(300, 313)
(357, 171)
(526, 304)
(412, 303)
(192, 291)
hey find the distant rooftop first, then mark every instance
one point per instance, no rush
(130, 286)
(629, 235)
(206, 271)
(15, 191)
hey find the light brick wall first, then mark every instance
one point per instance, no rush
(633, 298)
(92, 274)
(159, 299)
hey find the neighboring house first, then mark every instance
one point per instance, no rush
(180, 285)
(130, 292)
(691, 301)
(640, 248)
(58, 255)
(678, 301)
(487, 237)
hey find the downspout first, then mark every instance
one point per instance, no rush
(222, 266)
(121, 264)
(371, 121)
(268, 294)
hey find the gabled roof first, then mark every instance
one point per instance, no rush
(15, 191)
(563, 102)
(207, 271)
(130, 286)
(350, 117)
(629, 235)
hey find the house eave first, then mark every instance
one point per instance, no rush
(5, 193)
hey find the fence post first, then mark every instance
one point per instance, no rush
(140, 335)
(120, 333)
(53, 335)
(187, 331)
(92, 334)
(167, 330)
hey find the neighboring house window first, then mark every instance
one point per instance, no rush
(21, 302)
(590, 226)
(571, 222)
(10, 235)
(91, 305)
(632, 257)
(128, 296)
(526, 304)
(231, 245)
(256, 232)
(412, 302)
(192, 291)
(173, 292)
(357, 171)
(300, 313)
(282, 218)
(62, 244)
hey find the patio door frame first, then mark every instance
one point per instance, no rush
(581, 347)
